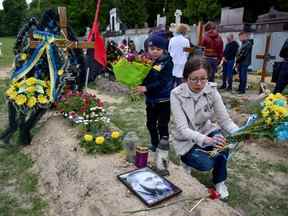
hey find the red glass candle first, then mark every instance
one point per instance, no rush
(141, 157)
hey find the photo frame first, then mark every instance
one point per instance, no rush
(148, 186)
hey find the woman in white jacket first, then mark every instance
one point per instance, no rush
(176, 50)
(200, 117)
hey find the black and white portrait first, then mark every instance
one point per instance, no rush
(149, 186)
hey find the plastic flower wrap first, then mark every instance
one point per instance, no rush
(271, 121)
(132, 70)
(29, 93)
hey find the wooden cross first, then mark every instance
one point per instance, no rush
(266, 58)
(65, 43)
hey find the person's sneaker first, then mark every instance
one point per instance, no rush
(223, 87)
(229, 88)
(222, 189)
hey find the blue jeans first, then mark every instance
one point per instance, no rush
(213, 65)
(228, 73)
(200, 160)
(243, 73)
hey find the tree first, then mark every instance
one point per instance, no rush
(132, 12)
(14, 15)
(204, 10)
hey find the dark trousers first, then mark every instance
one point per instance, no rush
(228, 73)
(243, 73)
(282, 81)
(202, 161)
(158, 117)
(213, 65)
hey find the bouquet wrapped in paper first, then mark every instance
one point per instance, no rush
(132, 70)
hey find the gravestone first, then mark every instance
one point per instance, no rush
(178, 14)
(114, 21)
(273, 21)
(232, 20)
(161, 21)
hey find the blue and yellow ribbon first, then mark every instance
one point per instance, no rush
(45, 46)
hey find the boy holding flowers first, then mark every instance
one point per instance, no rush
(157, 87)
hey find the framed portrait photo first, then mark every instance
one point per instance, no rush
(147, 185)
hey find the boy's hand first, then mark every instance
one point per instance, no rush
(141, 89)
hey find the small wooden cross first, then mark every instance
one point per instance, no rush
(65, 43)
(266, 57)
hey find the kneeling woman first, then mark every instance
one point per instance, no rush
(197, 107)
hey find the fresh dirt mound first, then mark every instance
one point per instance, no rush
(77, 184)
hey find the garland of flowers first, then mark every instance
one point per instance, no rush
(29, 94)
(88, 113)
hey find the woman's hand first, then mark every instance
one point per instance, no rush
(218, 141)
(141, 89)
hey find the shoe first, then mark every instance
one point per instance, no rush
(222, 189)
(241, 92)
(229, 88)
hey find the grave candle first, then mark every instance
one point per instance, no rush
(141, 156)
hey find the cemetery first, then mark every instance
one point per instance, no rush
(77, 109)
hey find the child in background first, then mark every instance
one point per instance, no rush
(157, 87)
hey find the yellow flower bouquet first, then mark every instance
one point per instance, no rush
(271, 121)
(29, 93)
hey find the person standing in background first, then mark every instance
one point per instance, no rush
(282, 80)
(230, 52)
(213, 48)
(244, 59)
(176, 50)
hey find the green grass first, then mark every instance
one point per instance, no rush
(131, 116)
(7, 57)
(18, 184)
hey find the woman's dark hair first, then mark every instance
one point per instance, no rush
(195, 64)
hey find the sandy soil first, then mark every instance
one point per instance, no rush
(77, 184)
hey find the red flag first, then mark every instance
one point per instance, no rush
(99, 43)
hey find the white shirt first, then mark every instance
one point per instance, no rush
(179, 57)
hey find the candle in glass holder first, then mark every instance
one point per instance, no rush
(141, 156)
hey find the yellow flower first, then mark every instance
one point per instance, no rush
(30, 89)
(265, 113)
(268, 121)
(60, 72)
(31, 81)
(9, 91)
(115, 135)
(31, 102)
(42, 99)
(20, 99)
(23, 56)
(280, 111)
(99, 140)
(88, 138)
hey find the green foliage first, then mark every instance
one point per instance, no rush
(202, 10)
(6, 60)
(132, 13)
(13, 16)
(108, 147)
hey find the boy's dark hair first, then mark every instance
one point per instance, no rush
(209, 25)
(195, 64)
